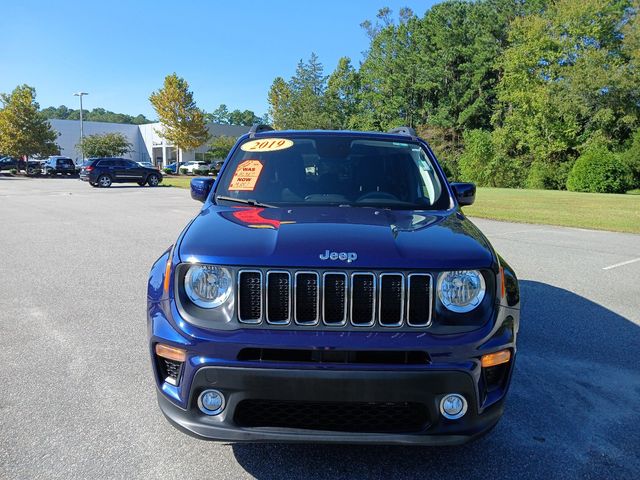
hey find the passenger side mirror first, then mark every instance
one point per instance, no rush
(465, 193)
(200, 188)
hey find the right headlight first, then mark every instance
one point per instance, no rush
(208, 286)
(461, 290)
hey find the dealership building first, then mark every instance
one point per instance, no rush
(147, 143)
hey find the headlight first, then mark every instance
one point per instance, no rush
(461, 291)
(208, 286)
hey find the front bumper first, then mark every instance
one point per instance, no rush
(423, 387)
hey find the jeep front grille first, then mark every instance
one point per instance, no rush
(335, 299)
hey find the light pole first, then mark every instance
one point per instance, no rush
(80, 94)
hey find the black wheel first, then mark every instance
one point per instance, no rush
(31, 171)
(104, 181)
(153, 180)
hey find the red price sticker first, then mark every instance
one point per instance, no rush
(246, 176)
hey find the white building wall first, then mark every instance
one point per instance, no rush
(145, 139)
(69, 137)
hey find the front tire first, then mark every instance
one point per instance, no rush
(104, 181)
(153, 180)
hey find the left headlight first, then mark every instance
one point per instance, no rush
(208, 286)
(461, 291)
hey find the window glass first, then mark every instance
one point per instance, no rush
(321, 169)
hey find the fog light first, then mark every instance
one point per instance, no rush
(453, 406)
(211, 402)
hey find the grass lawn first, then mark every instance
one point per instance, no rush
(181, 181)
(599, 211)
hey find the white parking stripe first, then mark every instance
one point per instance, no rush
(621, 264)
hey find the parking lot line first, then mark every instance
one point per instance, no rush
(621, 264)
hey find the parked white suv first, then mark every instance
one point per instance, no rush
(191, 166)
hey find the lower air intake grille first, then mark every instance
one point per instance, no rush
(400, 417)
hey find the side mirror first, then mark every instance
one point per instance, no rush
(200, 188)
(465, 193)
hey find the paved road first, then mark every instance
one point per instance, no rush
(77, 394)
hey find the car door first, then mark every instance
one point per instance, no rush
(128, 171)
(136, 171)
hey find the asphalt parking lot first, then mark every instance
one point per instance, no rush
(78, 399)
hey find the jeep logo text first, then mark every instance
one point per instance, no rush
(348, 256)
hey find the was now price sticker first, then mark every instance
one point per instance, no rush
(246, 176)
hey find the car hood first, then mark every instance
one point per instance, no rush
(304, 236)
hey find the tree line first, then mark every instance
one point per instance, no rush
(221, 115)
(95, 115)
(509, 93)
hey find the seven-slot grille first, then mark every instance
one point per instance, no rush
(335, 299)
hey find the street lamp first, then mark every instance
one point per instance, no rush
(80, 94)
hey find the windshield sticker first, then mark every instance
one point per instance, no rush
(267, 145)
(246, 176)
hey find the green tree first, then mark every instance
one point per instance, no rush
(245, 117)
(23, 129)
(566, 79)
(105, 145)
(96, 115)
(388, 75)
(221, 146)
(599, 170)
(183, 122)
(341, 95)
(280, 103)
(219, 115)
(480, 163)
(300, 103)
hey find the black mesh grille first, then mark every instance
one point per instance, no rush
(250, 301)
(391, 299)
(278, 297)
(172, 368)
(402, 417)
(306, 298)
(419, 300)
(169, 370)
(334, 298)
(363, 297)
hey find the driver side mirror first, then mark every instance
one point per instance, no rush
(465, 193)
(200, 188)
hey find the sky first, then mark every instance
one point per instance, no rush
(229, 51)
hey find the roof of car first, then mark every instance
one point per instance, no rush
(350, 133)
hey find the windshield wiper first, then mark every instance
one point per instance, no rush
(246, 201)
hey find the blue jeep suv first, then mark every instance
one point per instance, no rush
(332, 290)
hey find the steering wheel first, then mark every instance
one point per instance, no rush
(380, 195)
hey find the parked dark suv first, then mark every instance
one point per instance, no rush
(58, 165)
(102, 172)
(8, 163)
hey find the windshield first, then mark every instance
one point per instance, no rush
(321, 169)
